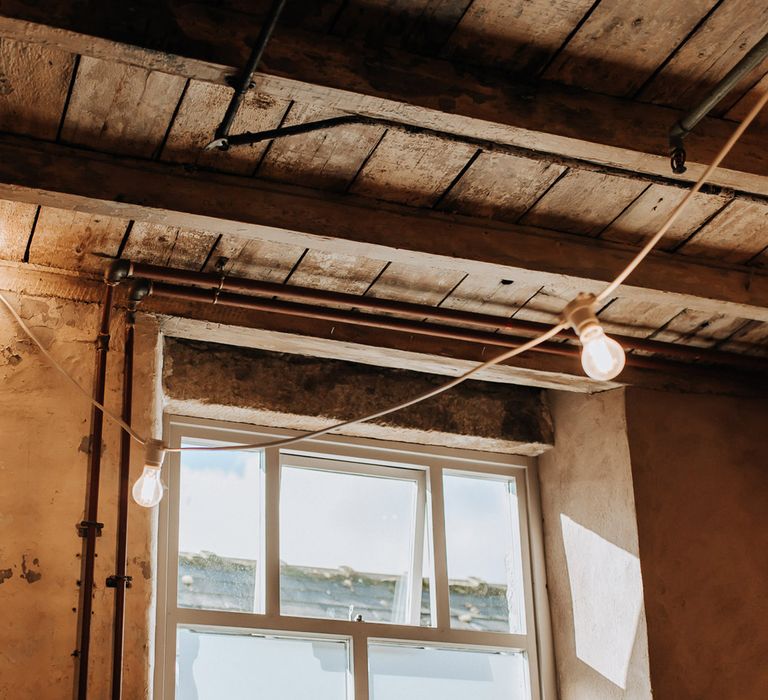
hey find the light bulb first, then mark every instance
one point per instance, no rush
(148, 489)
(602, 357)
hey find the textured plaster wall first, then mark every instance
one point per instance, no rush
(587, 480)
(44, 428)
(700, 467)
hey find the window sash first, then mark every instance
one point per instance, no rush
(424, 464)
(300, 461)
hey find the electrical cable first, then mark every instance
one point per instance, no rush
(618, 280)
(65, 374)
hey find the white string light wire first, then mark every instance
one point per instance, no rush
(620, 279)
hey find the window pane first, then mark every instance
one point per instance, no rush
(347, 546)
(220, 526)
(236, 667)
(411, 673)
(485, 571)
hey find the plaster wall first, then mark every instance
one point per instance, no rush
(44, 429)
(700, 475)
(591, 548)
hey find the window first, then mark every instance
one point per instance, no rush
(343, 569)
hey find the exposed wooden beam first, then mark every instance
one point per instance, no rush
(564, 122)
(371, 346)
(58, 176)
(273, 332)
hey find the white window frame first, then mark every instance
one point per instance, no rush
(373, 456)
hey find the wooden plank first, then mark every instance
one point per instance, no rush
(366, 345)
(700, 329)
(75, 240)
(500, 186)
(622, 43)
(339, 273)
(438, 356)
(417, 285)
(419, 25)
(547, 304)
(644, 217)
(16, 219)
(411, 169)
(735, 235)
(34, 81)
(625, 316)
(119, 108)
(583, 202)
(718, 45)
(489, 296)
(748, 101)
(269, 261)
(200, 114)
(55, 175)
(327, 160)
(517, 35)
(752, 338)
(436, 94)
(169, 246)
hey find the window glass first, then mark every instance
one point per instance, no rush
(347, 546)
(418, 673)
(485, 571)
(243, 667)
(220, 530)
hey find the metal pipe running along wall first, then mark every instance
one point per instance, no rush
(89, 529)
(275, 298)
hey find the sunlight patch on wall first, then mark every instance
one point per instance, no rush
(606, 592)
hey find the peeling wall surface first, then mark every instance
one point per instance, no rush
(44, 433)
(591, 547)
(700, 466)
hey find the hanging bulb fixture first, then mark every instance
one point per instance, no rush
(148, 489)
(601, 357)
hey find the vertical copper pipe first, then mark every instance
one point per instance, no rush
(90, 527)
(120, 582)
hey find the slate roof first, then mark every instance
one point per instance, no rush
(208, 581)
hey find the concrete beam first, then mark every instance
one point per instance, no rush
(307, 393)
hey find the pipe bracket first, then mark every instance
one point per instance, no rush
(85, 526)
(115, 580)
(677, 160)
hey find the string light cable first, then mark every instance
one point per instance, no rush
(602, 357)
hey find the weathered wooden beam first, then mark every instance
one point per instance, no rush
(276, 333)
(436, 94)
(68, 178)
(371, 346)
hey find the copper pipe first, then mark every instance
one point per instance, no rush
(90, 528)
(222, 284)
(120, 582)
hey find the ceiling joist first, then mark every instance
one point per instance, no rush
(58, 176)
(562, 122)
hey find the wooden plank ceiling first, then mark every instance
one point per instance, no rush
(663, 52)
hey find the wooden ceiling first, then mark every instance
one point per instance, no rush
(636, 54)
